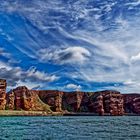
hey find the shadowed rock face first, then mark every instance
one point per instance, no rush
(2, 94)
(132, 103)
(103, 102)
(10, 98)
(75, 101)
(107, 102)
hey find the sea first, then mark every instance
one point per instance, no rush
(70, 128)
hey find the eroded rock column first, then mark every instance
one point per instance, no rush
(2, 94)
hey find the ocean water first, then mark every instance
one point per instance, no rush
(70, 128)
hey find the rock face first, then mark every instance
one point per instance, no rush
(53, 98)
(110, 102)
(75, 101)
(132, 103)
(106, 102)
(10, 98)
(23, 99)
(2, 94)
(113, 103)
(72, 101)
(96, 104)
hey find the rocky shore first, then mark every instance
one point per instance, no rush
(24, 102)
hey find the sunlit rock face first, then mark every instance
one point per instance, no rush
(22, 98)
(2, 94)
(53, 98)
(113, 103)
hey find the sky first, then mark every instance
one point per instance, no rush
(87, 45)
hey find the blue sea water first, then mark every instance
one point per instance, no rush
(70, 128)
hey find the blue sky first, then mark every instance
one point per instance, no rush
(70, 45)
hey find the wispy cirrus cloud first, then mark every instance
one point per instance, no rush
(92, 41)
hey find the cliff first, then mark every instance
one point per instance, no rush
(22, 98)
(101, 103)
(2, 94)
(132, 103)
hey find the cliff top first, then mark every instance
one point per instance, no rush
(2, 80)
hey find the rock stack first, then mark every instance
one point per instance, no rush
(2, 94)
(10, 98)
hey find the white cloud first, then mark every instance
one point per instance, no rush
(4, 54)
(16, 75)
(29, 85)
(35, 74)
(135, 3)
(136, 57)
(70, 55)
(73, 87)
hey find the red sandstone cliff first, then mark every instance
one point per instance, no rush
(22, 98)
(2, 94)
(53, 98)
(132, 103)
(103, 102)
(107, 102)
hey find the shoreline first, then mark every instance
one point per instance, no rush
(28, 113)
(16, 113)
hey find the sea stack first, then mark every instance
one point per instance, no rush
(2, 94)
